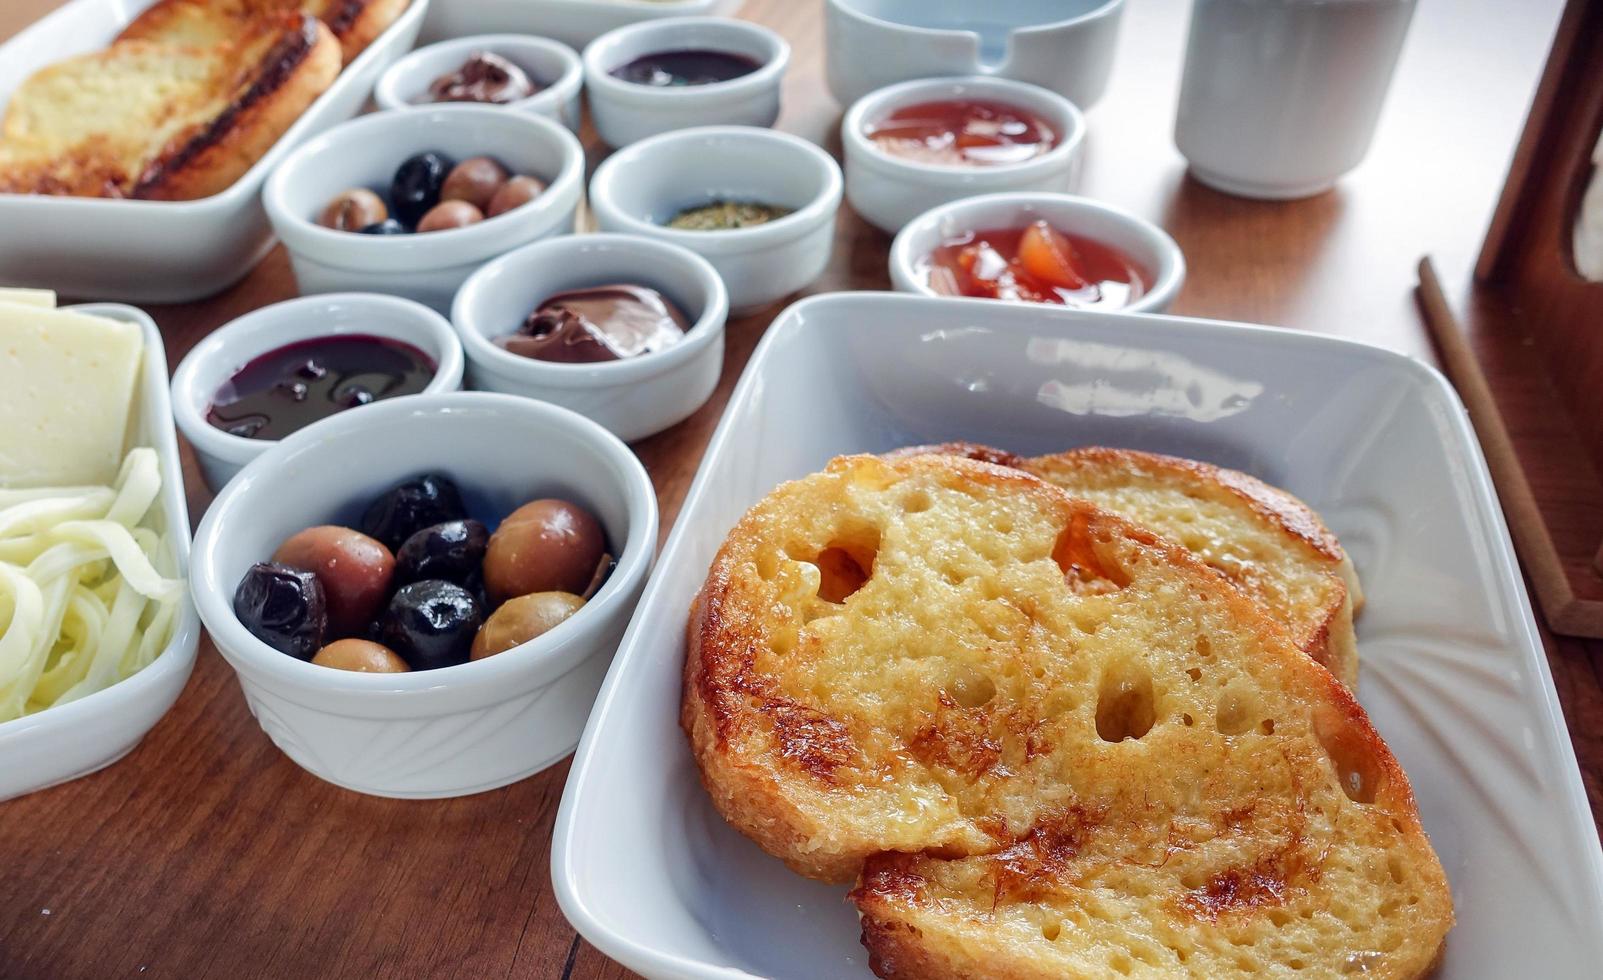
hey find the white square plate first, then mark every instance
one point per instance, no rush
(156, 251)
(1453, 672)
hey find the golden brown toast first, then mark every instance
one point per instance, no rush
(150, 120)
(1266, 541)
(204, 23)
(1053, 742)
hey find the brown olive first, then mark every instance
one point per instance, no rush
(353, 210)
(450, 214)
(521, 620)
(474, 180)
(354, 570)
(515, 193)
(543, 546)
(362, 655)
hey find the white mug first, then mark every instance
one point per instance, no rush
(1280, 97)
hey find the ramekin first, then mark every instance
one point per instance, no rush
(639, 188)
(625, 112)
(633, 398)
(553, 66)
(429, 267)
(460, 729)
(213, 361)
(889, 191)
(1146, 243)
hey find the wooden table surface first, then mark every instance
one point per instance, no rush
(207, 853)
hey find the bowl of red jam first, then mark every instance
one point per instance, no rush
(288, 366)
(919, 144)
(659, 75)
(1055, 249)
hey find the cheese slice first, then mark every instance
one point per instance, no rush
(66, 393)
(29, 297)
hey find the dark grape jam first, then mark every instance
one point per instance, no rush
(673, 69)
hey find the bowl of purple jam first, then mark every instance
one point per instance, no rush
(288, 366)
(657, 75)
(625, 330)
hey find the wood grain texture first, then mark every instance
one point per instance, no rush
(206, 853)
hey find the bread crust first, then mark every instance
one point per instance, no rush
(354, 23)
(289, 76)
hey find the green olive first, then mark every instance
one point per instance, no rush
(361, 655)
(522, 619)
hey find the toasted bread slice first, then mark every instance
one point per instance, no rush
(1061, 745)
(1266, 541)
(150, 120)
(204, 23)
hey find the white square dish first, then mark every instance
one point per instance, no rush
(77, 738)
(156, 251)
(573, 22)
(1454, 674)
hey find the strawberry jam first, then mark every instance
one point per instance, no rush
(1036, 264)
(963, 133)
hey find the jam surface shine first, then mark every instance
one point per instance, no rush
(963, 133)
(673, 69)
(1038, 264)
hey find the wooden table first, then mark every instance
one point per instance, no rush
(207, 853)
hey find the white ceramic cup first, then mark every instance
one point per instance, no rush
(1280, 97)
(626, 111)
(553, 66)
(888, 191)
(640, 187)
(1146, 243)
(633, 398)
(455, 730)
(212, 362)
(428, 267)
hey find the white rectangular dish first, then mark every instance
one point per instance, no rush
(573, 22)
(77, 738)
(1454, 674)
(156, 251)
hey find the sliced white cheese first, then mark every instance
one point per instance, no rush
(66, 390)
(29, 297)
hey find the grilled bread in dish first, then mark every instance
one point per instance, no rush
(204, 23)
(1046, 741)
(151, 120)
(1267, 542)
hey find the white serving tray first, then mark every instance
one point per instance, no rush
(79, 737)
(1454, 674)
(573, 22)
(156, 251)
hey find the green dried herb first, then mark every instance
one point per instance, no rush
(724, 215)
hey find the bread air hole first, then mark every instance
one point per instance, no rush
(1238, 712)
(971, 689)
(1051, 930)
(1356, 769)
(1125, 707)
(847, 563)
(1085, 568)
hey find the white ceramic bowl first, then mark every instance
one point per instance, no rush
(156, 251)
(552, 65)
(625, 111)
(428, 268)
(889, 191)
(1454, 674)
(1064, 45)
(573, 22)
(632, 399)
(455, 730)
(213, 361)
(77, 738)
(639, 188)
(1150, 246)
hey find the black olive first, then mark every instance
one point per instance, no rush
(416, 187)
(453, 551)
(412, 506)
(431, 624)
(283, 607)
(389, 226)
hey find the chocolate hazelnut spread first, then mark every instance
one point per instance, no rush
(484, 77)
(601, 323)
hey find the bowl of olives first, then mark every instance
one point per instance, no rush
(410, 203)
(420, 599)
